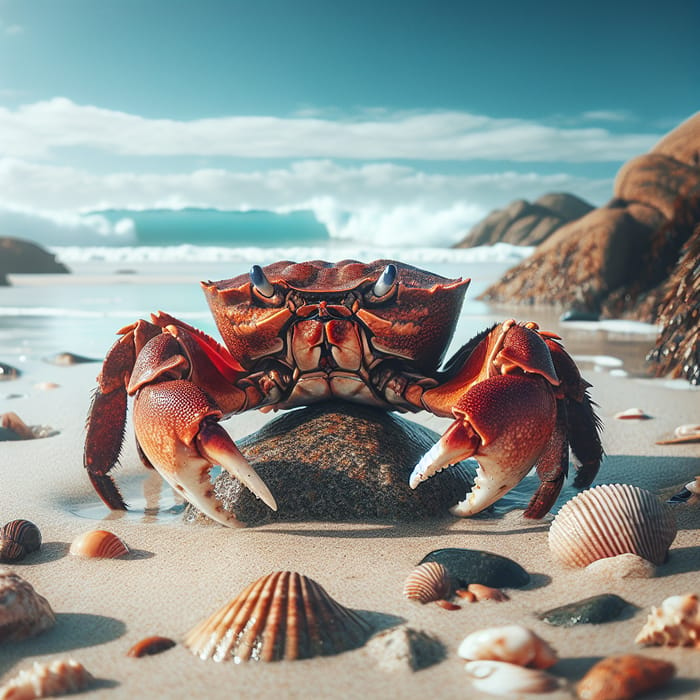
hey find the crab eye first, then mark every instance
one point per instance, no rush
(386, 281)
(260, 282)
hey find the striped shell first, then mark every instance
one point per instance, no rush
(675, 624)
(47, 680)
(98, 544)
(283, 615)
(23, 612)
(609, 520)
(23, 532)
(11, 550)
(428, 582)
(513, 644)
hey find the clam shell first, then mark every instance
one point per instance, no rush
(428, 582)
(47, 680)
(23, 612)
(283, 615)
(609, 520)
(675, 624)
(23, 532)
(98, 544)
(150, 646)
(501, 678)
(513, 644)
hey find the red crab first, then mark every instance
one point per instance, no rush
(376, 333)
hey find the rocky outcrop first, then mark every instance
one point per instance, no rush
(616, 259)
(523, 223)
(20, 256)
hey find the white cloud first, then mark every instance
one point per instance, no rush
(41, 129)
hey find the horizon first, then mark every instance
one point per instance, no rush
(399, 123)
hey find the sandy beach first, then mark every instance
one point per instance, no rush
(176, 574)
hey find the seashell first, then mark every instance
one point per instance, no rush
(590, 611)
(47, 386)
(150, 646)
(632, 414)
(513, 644)
(694, 486)
(474, 566)
(23, 612)
(23, 532)
(283, 615)
(481, 592)
(622, 566)
(428, 582)
(47, 680)
(675, 624)
(501, 678)
(624, 677)
(612, 519)
(690, 432)
(98, 544)
(11, 551)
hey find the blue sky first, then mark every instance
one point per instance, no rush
(391, 120)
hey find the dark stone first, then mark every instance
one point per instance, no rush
(593, 611)
(339, 461)
(474, 566)
(20, 256)
(8, 372)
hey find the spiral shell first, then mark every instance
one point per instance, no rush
(609, 520)
(23, 612)
(47, 680)
(428, 582)
(513, 644)
(98, 544)
(283, 615)
(23, 532)
(675, 624)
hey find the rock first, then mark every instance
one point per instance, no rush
(339, 461)
(467, 566)
(404, 648)
(590, 611)
(20, 256)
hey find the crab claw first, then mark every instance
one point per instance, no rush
(176, 428)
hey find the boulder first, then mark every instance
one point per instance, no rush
(21, 256)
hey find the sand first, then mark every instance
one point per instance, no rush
(177, 574)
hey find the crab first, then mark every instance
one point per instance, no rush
(376, 333)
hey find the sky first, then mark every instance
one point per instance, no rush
(394, 122)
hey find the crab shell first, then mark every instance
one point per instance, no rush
(417, 325)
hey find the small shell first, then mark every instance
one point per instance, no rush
(481, 592)
(612, 519)
(11, 551)
(98, 544)
(624, 677)
(23, 612)
(47, 680)
(683, 433)
(23, 532)
(632, 414)
(675, 624)
(513, 644)
(283, 615)
(428, 582)
(150, 646)
(694, 486)
(501, 678)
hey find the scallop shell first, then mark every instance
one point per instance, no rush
(23, 532)
(609, 520)
(47, 680)
(23, 612)
(513, 644)
(501, 678)
(428, 582)
(283, 615)
(624, 676)
(98, 544)
(675, 624)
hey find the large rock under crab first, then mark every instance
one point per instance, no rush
(339, 461)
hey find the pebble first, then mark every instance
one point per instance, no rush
(65, 359)
(405, 648)
(468, 566)
(8, 372)
(594, 611)
(622, 566)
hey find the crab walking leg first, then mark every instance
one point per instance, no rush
(504, 422)
(175, 424)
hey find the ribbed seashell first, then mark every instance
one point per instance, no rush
(612, 519)
(23, 612)
(513, 644)
(99, 544)
(623, 677)
(47, 680)
(283, 615)
(676, 623)
(428, 582)
(23, 532)
(501, 678)
(11, 551)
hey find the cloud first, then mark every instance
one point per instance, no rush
(42, 129)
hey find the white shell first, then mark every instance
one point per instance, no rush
(513, 644)
(47, 680)
(428, 582)
(501, 678)
(612, 519)
(632, 414)
(675, 624)
(23, 612)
